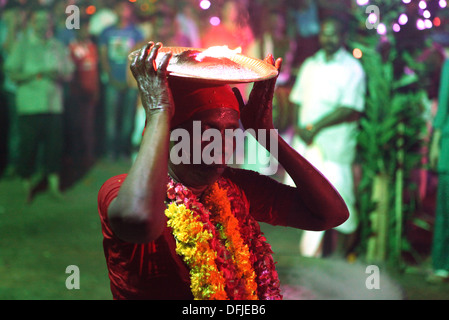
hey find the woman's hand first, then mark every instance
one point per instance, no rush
(258, 112)
(152, 80)
(306, 135)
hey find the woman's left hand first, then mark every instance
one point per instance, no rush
(258, 111)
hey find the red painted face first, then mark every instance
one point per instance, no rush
(201, 149)
(192, 97)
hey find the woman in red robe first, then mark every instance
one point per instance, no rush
(190, 230)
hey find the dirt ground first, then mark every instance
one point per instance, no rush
(38, 241)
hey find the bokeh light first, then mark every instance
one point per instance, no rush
(381, 29)
(205, 4)
(362, 2)
(372, 18)
(420, 24)
(403, 19)
(396, 27)
(215, 21)
(357, 53)
(91, 10)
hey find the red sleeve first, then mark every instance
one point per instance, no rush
(269, 200)
(108, 192)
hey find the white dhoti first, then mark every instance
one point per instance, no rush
(341, 177)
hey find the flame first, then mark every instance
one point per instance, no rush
(218, 52)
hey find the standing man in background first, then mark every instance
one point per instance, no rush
(329, 93)
(39, 64)
(85, 92)
(116, 42)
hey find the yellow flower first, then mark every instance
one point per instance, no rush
(193, 244)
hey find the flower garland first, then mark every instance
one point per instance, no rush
(216, 200)
(210, 240)
(192, 242)
(268, 285)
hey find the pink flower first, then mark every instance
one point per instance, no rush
(171, 193)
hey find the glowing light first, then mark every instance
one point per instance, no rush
(443, 3)
(422, 4)
(218, 52)
(215, 21)
(132, 0)
(205, 4)
(403, 19)
(362, 2)
(381, 29)
(372, 18)
(91, 10)
(428, 24)
(426, 14)
(406, 1)
(420, 24)
(437, 22)
(396, 27)
(357, 53)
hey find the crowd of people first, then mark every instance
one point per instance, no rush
(69, 99)
(81, 75)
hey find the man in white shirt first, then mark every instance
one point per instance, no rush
(330, 94)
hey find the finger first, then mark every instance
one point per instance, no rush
(139, 59)
(271, 83)
(133, 66)
(269, 59)
(143, 52)
(150, 61)
(163, 65)
(278, 64)
(239, 97)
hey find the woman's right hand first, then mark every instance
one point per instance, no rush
(152, 80)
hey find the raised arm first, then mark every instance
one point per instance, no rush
(137, 214)
(315, 205)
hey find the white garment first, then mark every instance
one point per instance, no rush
(322, 87)
(102, 19)
(339, 175)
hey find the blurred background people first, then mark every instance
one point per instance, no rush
(187, 24)
(116, 42)
(304, 22)
(326, 127)
(60, 30)
(103, 17)
(288, 29)
(13, 16)
(233, 30)
(84, 97)
(38, 64)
